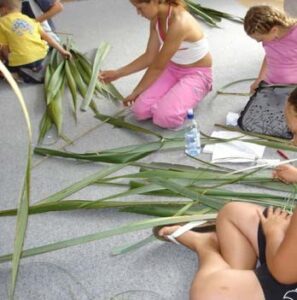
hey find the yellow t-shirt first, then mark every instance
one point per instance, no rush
(22, 36)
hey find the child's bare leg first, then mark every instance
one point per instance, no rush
(238, 222)
(215, 279)
(204, 244)
(225, 284)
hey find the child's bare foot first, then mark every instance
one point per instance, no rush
(191, 239)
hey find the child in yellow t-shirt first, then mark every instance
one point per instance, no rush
(23, 43)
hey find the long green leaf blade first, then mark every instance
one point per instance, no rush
(24, 199)
(55, 82)
(81, 184)
(100, 55)
(122, 124)
(109, 233)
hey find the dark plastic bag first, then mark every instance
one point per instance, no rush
(264, 112)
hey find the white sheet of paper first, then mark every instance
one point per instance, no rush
(234, 151)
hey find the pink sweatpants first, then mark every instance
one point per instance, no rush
(167, 100)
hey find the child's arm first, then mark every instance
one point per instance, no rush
(280, 230)
(52, 11)
(66, 54)
(285, 173)
(261, 76)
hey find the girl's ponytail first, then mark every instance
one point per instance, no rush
(261, 19)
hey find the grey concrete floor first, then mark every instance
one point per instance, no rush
(89, 271)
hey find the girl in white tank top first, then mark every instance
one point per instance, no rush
(178, 65)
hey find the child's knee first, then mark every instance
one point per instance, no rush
(167, 119)
(237, 211)
(141, 111)
(230, 208)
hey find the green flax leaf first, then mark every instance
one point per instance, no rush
(24, 199)
(100, 55)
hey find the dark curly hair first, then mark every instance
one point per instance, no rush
(292, 100)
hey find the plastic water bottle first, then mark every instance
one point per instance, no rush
(192, 135)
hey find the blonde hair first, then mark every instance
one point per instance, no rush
(170, 2)
(261, 19)
(11, 4)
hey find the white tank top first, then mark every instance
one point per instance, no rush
(188, 52)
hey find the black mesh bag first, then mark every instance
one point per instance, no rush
(264, 112)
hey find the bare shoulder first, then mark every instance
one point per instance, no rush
(177, 16)
(182, 19)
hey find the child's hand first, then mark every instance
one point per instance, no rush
(254, 86)
(66, 54)
(285, 173)
(129, 101)
(276, 222)
(108, 76)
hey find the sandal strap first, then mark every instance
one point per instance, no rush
(181, 230)
(172, 239)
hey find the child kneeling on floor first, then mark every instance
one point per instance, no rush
(24, 44)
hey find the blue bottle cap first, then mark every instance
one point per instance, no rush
(190, 114)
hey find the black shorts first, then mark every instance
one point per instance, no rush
(273, 290)
(31, 73)
(35, 66)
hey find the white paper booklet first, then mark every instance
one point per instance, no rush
(235, 151)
